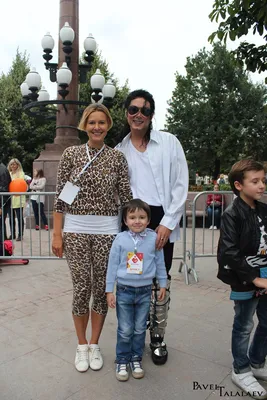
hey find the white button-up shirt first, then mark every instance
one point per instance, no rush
(170, 172)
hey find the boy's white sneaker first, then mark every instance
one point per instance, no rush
(211, 227)
(137, 369)
(122, 373)
(82, 358)
(260, 373)
(249, 384)
(215, 227)
(95, 357)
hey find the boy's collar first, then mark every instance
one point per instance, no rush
(136, 234)
(245, 205)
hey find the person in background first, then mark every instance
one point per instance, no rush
(92, 186)
(17, 202)
(159, 176)
(5, 201)
(221, 180)
(214, 208)
(38, 185)
(134, 262)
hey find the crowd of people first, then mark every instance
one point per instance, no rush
(116, 218)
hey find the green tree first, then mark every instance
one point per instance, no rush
(21, 136)
(217, 112)
(238, 17)
(116, 109)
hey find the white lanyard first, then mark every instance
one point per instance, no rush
(135, 242)
(90, 160)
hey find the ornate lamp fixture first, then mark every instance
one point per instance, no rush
(36, 100)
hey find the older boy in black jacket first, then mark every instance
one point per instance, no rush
(242, 258)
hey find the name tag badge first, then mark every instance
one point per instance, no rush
(69, 192)
(135, 263)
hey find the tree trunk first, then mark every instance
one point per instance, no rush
(217, 167)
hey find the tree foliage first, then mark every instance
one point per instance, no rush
(22, 137)
(238, 17)
(217, 112)
(116, 108)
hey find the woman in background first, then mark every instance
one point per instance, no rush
(38, 185)
(18, 202)
(214, 206)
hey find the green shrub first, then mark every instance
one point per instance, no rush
(225, 187)
(208, 187)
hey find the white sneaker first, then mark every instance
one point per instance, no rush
(215, 227)
(249, 384)
(122, 373)
(137, 370)
(260, 373)
(95, 357)
(82, 358)
(211, 227)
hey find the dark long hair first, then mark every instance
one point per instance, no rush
(132, 96)
(39, 173)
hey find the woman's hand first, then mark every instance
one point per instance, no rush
(111, 300)
(57, 245)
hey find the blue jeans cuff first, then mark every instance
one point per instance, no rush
(242, 370)
(136, 358)
(122, 361)
(257, 366)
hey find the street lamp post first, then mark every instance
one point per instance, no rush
(68, 73)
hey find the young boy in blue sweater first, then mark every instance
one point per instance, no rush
(133, 263)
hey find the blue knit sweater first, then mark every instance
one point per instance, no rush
(153, 263)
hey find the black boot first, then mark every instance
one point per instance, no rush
(159, 352)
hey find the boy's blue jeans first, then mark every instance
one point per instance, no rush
(132, 307)
(242, 328)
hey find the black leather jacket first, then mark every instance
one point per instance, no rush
(240, 237)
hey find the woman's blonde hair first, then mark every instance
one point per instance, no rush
(89, 110)
(14, 161)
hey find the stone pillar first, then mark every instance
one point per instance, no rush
(67, 119)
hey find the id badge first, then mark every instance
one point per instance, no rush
(135, 263)
(69, 192)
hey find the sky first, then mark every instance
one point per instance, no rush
(145, 42)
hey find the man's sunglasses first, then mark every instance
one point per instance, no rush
(147, 112)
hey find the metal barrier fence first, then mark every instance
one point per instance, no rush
(227, 198)
(183, 257)
(37, 244)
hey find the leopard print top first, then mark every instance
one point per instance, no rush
(104, 186)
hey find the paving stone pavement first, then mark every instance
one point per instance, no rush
(38, 342)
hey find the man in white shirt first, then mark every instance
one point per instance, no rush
(159, 176)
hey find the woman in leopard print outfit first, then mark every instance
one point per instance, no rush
(91, 223)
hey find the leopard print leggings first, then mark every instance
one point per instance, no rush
(87, 257)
